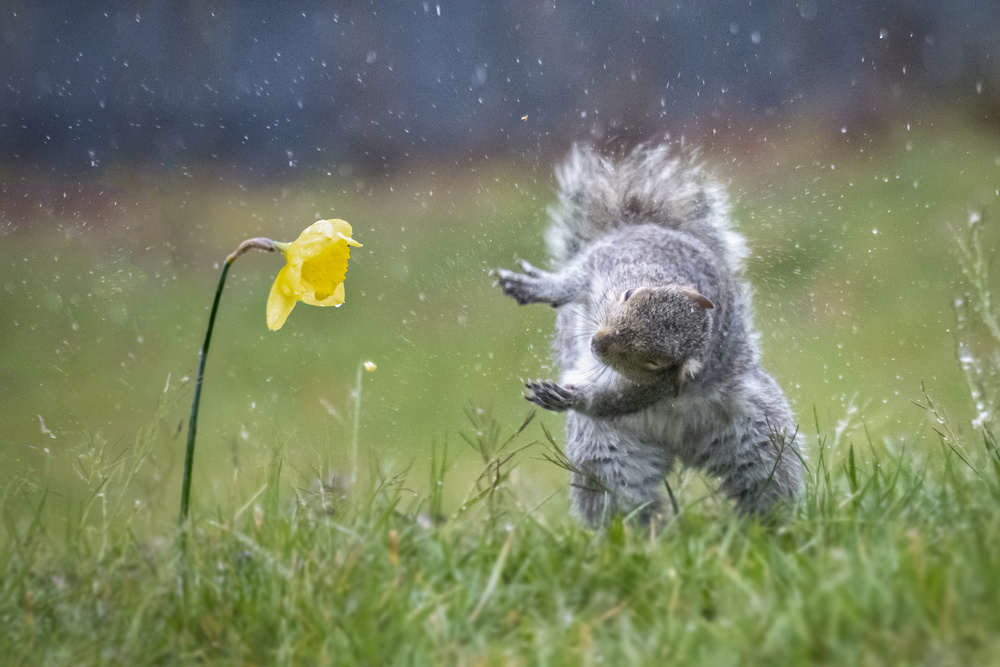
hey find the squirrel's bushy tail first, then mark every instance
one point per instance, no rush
(650, 184)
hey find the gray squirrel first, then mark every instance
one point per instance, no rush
(654, 337)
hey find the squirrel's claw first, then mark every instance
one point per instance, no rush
(531, 270)
(551, 396)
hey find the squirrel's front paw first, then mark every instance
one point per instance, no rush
(552, 396)
(532, 286)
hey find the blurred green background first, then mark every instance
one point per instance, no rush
(106, 290)
(143, 142)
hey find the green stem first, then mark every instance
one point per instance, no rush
(266, 245)
(354, 433)
(193, 421)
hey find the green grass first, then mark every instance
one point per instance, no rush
(440, 554)
(890, 558)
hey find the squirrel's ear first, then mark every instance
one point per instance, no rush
(697, 298)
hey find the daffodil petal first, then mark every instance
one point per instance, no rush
(280, 301)
(337, 226)
(319, 234)
(349, 240)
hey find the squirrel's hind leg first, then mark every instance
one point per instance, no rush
(765, 469)
(614, 474)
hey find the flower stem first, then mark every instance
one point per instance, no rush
(266, 245)
(354, 432)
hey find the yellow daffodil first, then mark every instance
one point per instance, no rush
(315, 265)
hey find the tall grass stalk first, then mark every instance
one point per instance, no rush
(356, 426)
(975, 312)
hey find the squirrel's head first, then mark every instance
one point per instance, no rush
(650, 333)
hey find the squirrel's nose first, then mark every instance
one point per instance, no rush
(600, 342)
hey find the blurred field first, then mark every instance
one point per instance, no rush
(106, 289)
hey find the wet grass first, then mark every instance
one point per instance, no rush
(890, 557)
(446, 553)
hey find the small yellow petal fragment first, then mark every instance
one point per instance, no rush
(370, 366)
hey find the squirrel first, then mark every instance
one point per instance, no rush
(659, 360)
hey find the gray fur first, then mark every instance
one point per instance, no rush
(654, 337)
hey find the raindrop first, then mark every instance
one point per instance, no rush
(479, 76)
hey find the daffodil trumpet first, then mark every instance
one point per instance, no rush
(315, 265)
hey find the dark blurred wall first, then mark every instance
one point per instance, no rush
(279, 86)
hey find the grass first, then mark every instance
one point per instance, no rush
(890, 557)
(455, 545)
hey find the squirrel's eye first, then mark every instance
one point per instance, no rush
(626, 295)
